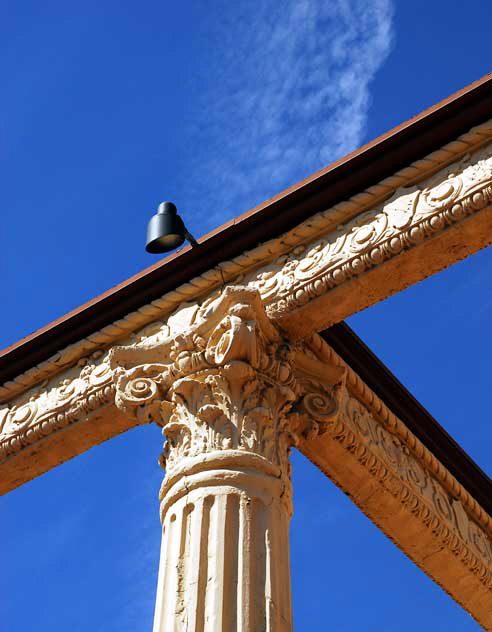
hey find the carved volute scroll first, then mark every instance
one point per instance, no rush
(232, 396)
(231, 382)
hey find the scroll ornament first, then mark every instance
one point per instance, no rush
(412, 215)
(230, 382)
(52, 405)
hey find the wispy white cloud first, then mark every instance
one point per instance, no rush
(289, 92)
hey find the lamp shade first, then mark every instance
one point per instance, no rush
(166, 230)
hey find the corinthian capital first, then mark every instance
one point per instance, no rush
(231, 382)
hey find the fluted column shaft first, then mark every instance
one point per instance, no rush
(225, 547)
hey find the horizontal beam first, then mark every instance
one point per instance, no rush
(337, 261)
(412, 148)
(60, 445)
(420, 230)
(58, 420)
(410, 411)
(420, 261)
(401, 487)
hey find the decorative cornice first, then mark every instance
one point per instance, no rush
(409, 473)
(358, 388)
(413, 215)
(55, 404)
(438, 202)
(406, 478)
(422, 497)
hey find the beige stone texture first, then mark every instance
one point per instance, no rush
(57, 420)
(225, 547)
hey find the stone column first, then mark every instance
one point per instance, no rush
(232, 396)
(225, 505)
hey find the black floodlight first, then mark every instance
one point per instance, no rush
(166, 230)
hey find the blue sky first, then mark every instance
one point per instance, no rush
(110, 107)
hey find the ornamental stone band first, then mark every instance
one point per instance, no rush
(418, 221)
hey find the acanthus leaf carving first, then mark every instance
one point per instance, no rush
(232, 381)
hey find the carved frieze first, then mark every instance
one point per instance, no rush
(412, 215)
(54, 404)
(332, 247)
(389, 460)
